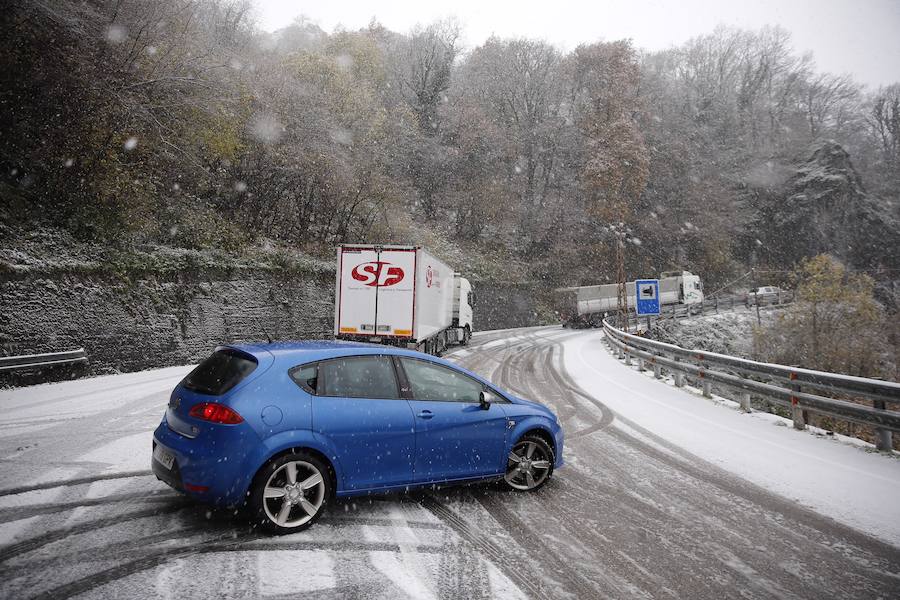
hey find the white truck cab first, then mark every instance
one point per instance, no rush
(463, 303)
(692, 288)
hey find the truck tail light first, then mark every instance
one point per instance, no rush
(215, 413)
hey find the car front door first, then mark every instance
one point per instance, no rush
(358, 407)
(455, 437)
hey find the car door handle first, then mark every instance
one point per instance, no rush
(425, 414)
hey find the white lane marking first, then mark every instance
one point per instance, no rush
(403, 572)
(291, 572)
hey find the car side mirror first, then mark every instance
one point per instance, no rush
(485, 399)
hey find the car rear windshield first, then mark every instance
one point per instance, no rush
(223, 370)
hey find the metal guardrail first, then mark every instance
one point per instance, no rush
(798, 389)
(37, 361)
(716, 305)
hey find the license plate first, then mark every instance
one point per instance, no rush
(164, 457)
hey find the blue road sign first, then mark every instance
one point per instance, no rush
(647, 296)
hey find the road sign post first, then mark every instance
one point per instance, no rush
(647, 292)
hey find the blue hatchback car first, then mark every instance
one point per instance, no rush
(283, 428)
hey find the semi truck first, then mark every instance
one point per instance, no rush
(586, 304)
(400, 296)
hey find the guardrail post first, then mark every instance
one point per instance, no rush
(883, 438)
(706, 385)
(745, 401)
(657, 370)
(796, 411)
(640, 364)
(627, 358)
(679, 376)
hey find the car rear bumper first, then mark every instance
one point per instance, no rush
(201, 469)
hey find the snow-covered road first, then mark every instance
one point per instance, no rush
(838, 477)
(631, 515)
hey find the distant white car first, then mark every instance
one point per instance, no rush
(766, 295)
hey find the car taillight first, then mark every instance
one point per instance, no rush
(215, 413)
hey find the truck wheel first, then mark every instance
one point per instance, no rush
(467, 335)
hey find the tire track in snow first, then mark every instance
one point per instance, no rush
(73, 482)
(158, 556)
(37, 542)
(23, 512)
(495, 553)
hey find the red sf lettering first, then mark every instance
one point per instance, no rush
(377, 274)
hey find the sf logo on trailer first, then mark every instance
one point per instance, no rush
(377, 274)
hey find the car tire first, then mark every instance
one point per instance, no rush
(529, 464)
(290, 493)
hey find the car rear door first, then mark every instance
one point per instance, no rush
(359, 409)
(455, 437)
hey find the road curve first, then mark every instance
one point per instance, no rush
(628, 516)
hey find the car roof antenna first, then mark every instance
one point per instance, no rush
(268, 337)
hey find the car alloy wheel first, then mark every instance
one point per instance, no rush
(291, 493)
(529, 464)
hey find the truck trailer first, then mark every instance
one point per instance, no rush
(586, 304)
(401, 296)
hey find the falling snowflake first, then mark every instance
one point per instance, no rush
(344, 61)
(131, 143)
(116, 33)
(69, 162)
(240, 186)
(265, 128)
(341, 136)
(151, 50)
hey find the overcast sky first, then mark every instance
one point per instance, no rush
(860, 37)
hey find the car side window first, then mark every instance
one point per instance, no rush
(428, 381)
(358, 377)
(306, 376)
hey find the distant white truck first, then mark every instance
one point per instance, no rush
(401, 296)
(585, 304)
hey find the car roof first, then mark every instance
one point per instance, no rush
(290, 354)
(310, 350)
(299, 346)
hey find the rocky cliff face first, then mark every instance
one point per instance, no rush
(823, 208)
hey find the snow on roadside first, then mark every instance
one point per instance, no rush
(54, 402)
(837, 479)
